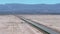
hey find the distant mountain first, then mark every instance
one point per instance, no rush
(30, 8)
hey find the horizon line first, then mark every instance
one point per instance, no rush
(24, 3)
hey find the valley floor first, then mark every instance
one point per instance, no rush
(10, 24)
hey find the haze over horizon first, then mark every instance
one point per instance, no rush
(30, 1)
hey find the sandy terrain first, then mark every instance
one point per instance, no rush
(10, 24)
(52, 21)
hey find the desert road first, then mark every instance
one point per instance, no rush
(11, 24)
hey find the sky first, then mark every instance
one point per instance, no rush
(30, 1)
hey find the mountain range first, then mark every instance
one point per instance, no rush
(29, 8)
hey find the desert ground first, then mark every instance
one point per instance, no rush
(51, 21)
(10, 24)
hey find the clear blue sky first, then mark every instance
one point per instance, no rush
(30, 1)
